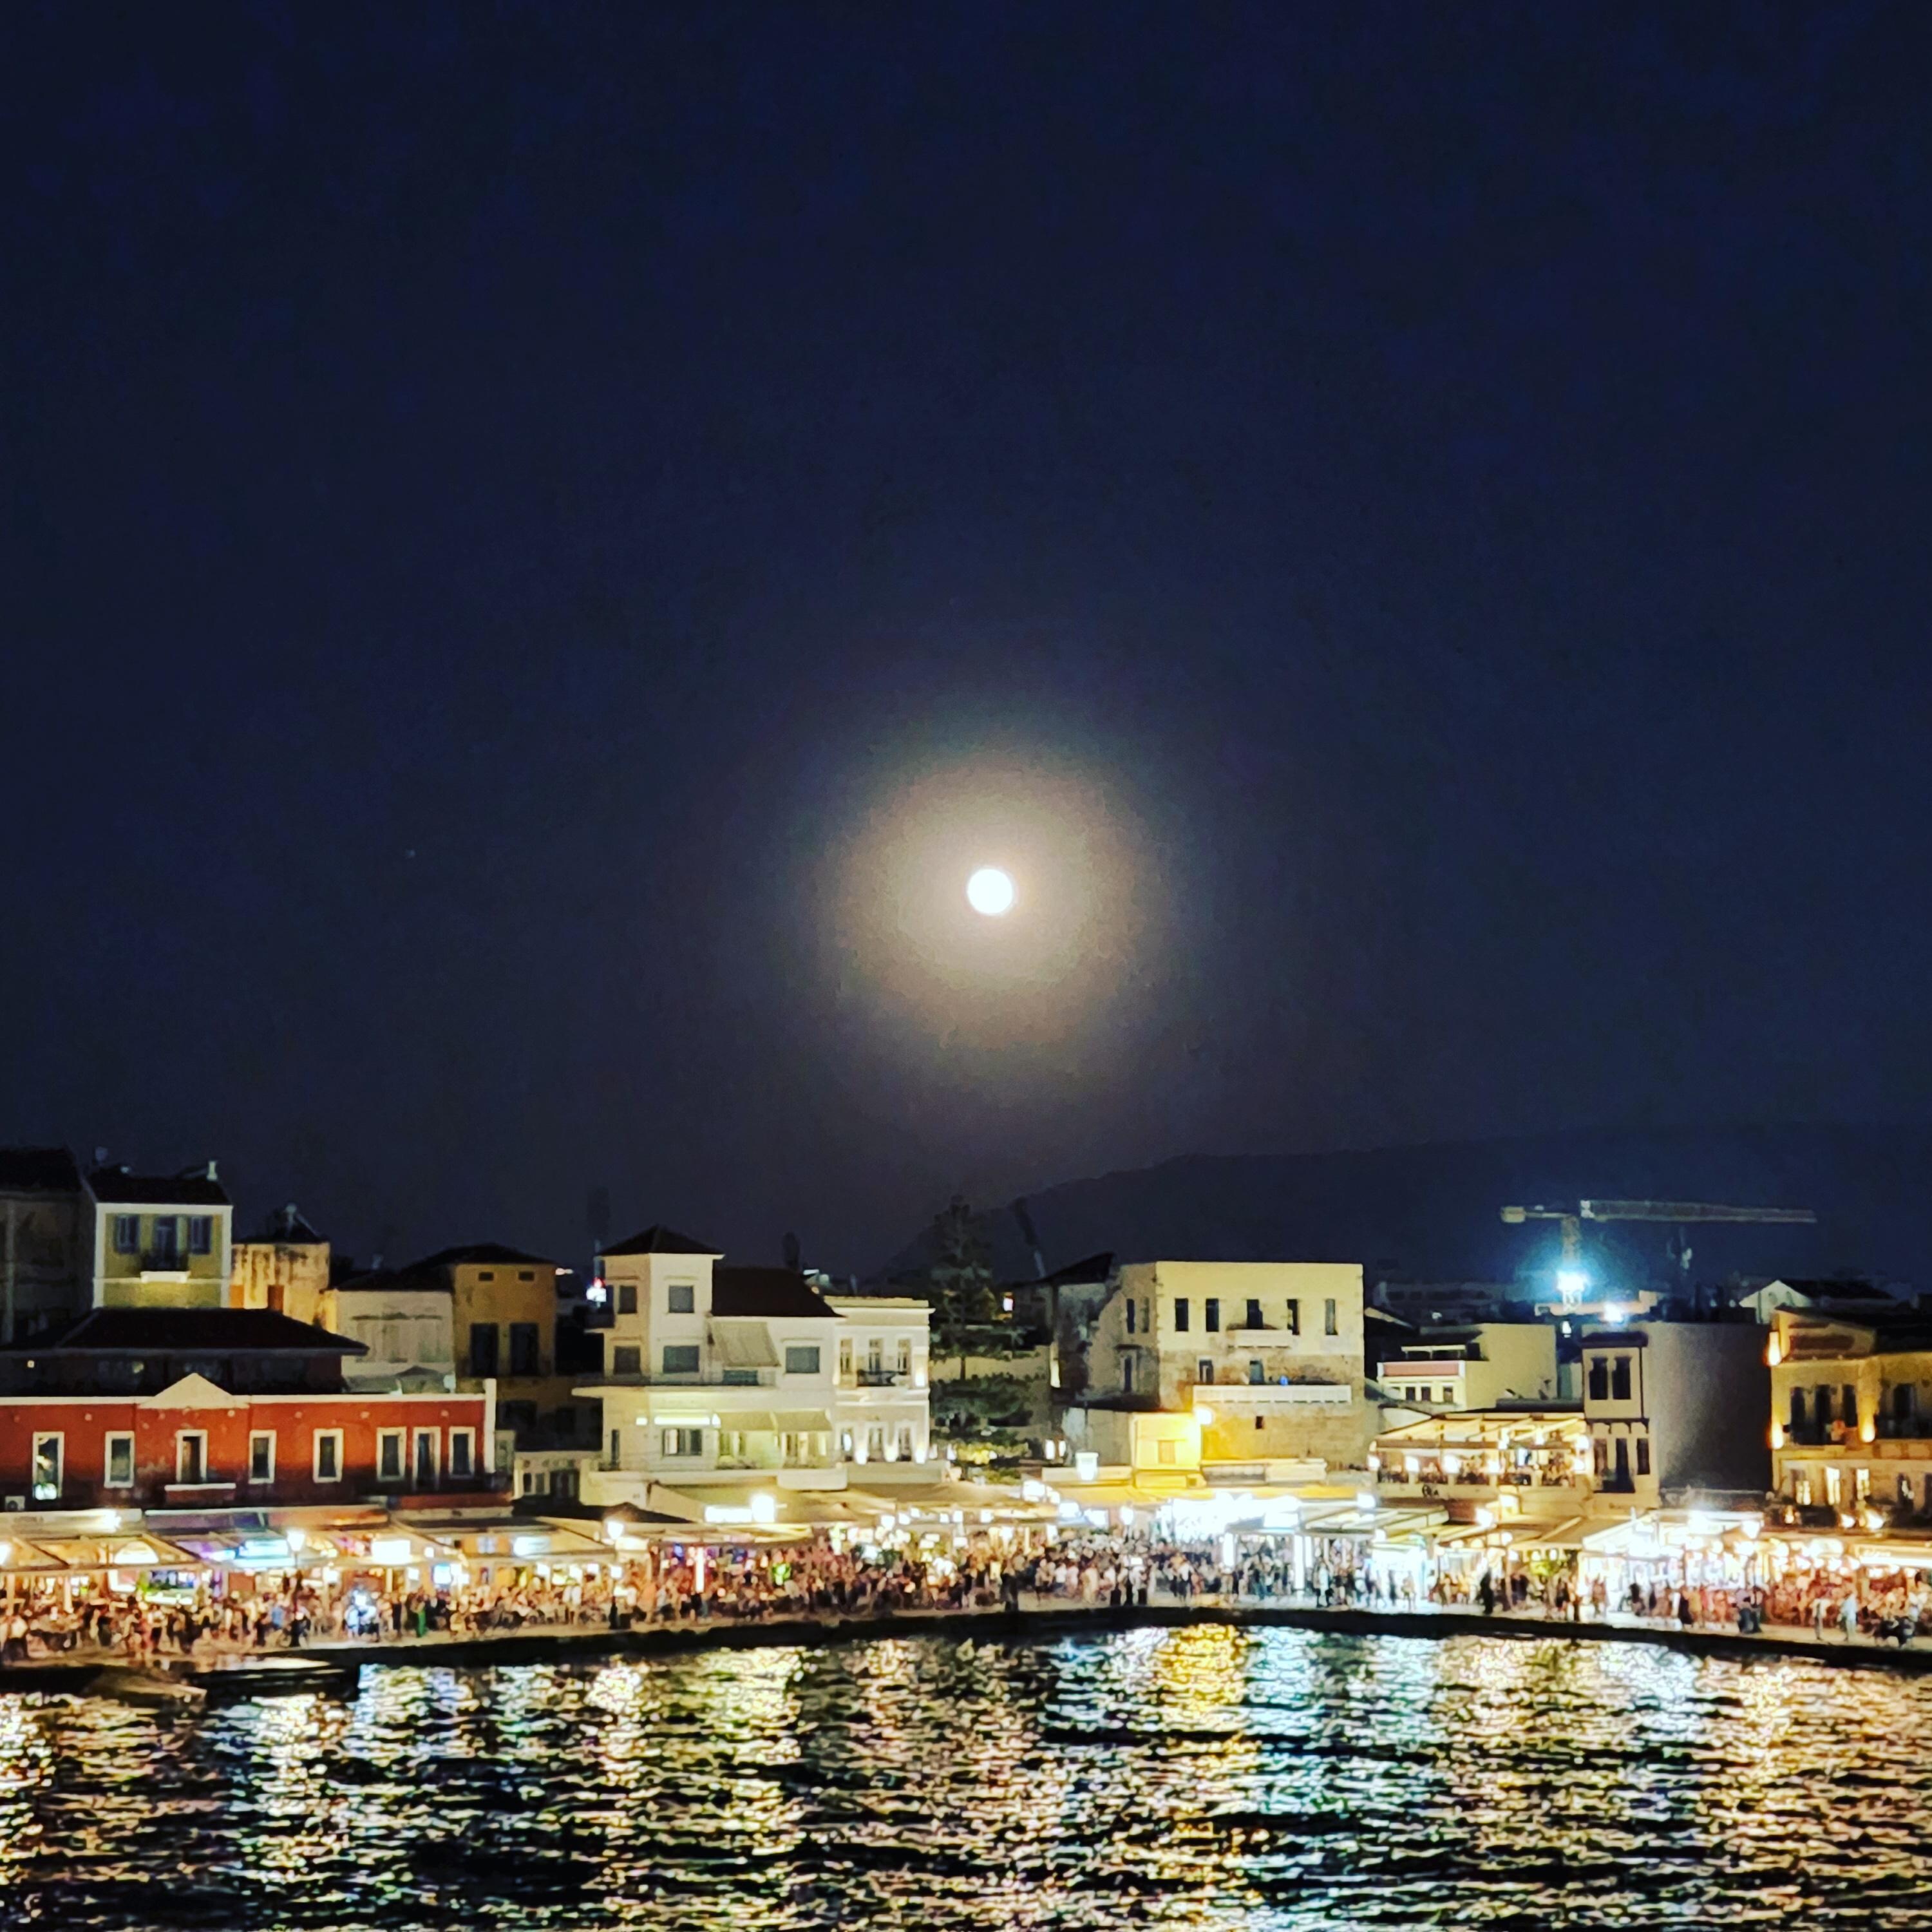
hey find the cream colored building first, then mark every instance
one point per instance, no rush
(285, 1267)
(158, 1240)
(1266, 1355)
(1475, 1366)
(1851, 1413)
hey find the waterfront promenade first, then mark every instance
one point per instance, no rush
(1037, 1619)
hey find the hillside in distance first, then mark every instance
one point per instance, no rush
(1431, 1212)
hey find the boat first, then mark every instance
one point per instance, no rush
(153, 1689)
(279, 1676)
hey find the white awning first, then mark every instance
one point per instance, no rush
(744, 1345)
(803, 1419)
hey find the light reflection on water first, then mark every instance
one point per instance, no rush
(1205, 1777)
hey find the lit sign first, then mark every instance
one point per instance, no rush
(389, 1549)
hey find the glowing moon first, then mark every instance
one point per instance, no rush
(990, 891)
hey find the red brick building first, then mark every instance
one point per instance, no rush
(195, 1445)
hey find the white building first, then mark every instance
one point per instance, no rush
(718, 1376)
(882, 1405)
(405, 1321)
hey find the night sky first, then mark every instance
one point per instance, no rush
(543, 543)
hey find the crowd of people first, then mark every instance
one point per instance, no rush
(673, 1584)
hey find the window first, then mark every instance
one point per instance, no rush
(1848, 1411)
(1259, 1424)
(1165, 1452)
(1860, 1485)
(523, 1360)
(1293, 1323)
(1832, 1483)
(126, 1233)
(802, 1360)
(389, 1456)
(684, 1442)
(119, 1461)
(1211, 1314)
(167, 1240)
(1329, 1325)
(681, 1298)
(1905, 1492)
(329, 1455)
(484, 1337)
(1127, 1375)
(1254, 1315)
(1204, 1370)
(627, 1298)
(1256, 1375)
(1181, 1312)
(1797, 1410)
(1643, 1455)
(845, 1358)
(1823, 1402)
(424, 1461)
(48, 1455)
(1600, 1378)
(875, 1442)
(191, 1456)
(681, 1359)
(262, 1456)
(1901, 1402)
(527, 1274)
(201, 1234)
(1130, 1314)
(741, 1378)
(905, 1358)
(905, 1442)
(627, 1361)
(1620, 1379)
(1800, 1488)
(486, 1274)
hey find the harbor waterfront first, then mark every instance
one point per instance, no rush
(1212, 1776)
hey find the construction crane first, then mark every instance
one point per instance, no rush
(1571, 1277)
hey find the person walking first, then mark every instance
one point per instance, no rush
(1848, 1614)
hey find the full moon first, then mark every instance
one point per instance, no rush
(990, 891)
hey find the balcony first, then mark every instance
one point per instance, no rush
(703, 1378)
(164, 1264)
(874, 1378)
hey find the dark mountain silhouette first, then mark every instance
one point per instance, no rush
(1430, 1213)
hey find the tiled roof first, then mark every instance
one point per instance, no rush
(419, 1278)
(480, 1254)
(117, 1187)
(1094, 1268)
(659, 1240)
(767, 1292)
(191, 1331)
(38, 1170)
